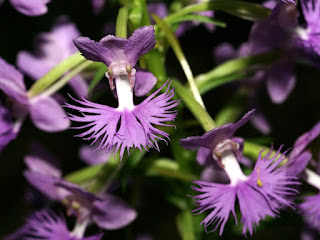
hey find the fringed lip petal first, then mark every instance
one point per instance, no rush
(126, 128)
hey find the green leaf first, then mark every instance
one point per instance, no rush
(47, 80)
(185, 225)
(233, 70)
(245, 10)
(198, 18)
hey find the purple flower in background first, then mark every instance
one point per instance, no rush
(51, 49)
(31, 7)
(8, 131)
(92, 155)
(309, 38)
(45, 224)
(263, 193)
(98, 6)
(107, 211)
(45, 112)
(310, 208)
(128, 125)
(158, 8)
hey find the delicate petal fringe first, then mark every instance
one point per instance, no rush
(127, 128)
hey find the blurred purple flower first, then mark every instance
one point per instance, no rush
(92, 155)
(31, 7)
(309, 37)
(45, 224)
(107, 211)
(98, 6)
(158, 8)
(264, 192)
(45, 112)
(136, 121)
(51, 49)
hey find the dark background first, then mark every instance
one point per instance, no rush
(156, 217)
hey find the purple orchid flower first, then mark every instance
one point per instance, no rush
(214, 142)
(45, 224)
(45, 112)
(31, 7)
(107, 211)
(51, 49)
(98, 6)
(264, 192)
(136, 121)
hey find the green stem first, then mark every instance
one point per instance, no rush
(121, 24)
(200, 114)
(48, 79)
(64, 80)
(173, 41)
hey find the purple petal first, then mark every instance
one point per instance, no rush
(224, 52)
(41, 161)
(158, 8)
(112, 213)
(214, 174)
(11, 82)
(220, 199)
(298, 164)
(92, 155)
(136, 126)
(108, 50)
(141, 41)
(45, 184)
(48, 115)
(311, 13)
(98, 6)
(204, 157)
(212, 138)
(33, 66)
(260, 122)
(302, 142)
(7, 132)
(144, 82)
(31, 7)
(79, 86)
(310, 208)
(281, 81)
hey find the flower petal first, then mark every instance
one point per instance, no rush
(48, 115)
(144, 82)
(212, 138)
(112, 213)
(30, 7)
(11, 82)
(135, 126)
(281, 81)
(141, 41)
